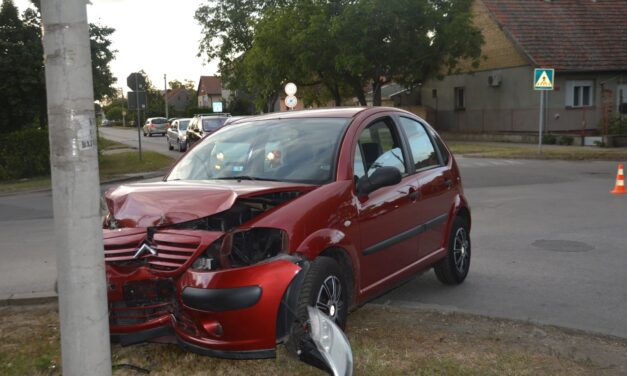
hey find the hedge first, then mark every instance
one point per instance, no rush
(24, 154)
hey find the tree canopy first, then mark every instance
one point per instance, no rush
(22, 76)
(336, 49)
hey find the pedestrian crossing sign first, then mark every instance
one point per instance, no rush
(543, 78)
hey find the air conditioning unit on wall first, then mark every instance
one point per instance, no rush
(494, 80)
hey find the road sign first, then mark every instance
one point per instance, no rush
(543, 78)
(134, 97)
(136, 82)
(216, 106)
(291, 101)
(290, 89)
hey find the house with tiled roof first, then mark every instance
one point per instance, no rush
(210, 90)
(585, 41)
(180, 98)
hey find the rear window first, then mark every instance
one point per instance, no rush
(183, 124)
(210, 125)
(159, 121)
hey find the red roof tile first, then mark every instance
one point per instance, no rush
(568, 35)
(210, 85)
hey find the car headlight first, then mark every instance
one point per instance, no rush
(242, 248)
(331, 342)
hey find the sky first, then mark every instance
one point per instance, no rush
(158, 36)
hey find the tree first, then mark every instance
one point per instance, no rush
(101, 57)
(186, 84)
(22, 90)
(22, 76)
(341, 46)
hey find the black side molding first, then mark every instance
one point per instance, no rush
(406, 234)
(219, 300)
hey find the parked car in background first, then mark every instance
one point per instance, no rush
(270, 216)
(203, 125)
(155, 125)
(177, 134)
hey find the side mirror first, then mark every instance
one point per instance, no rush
(381, 177)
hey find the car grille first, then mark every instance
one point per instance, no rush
(173, 250)
(143, 301)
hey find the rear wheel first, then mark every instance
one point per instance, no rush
(325, 288)
(453, 269)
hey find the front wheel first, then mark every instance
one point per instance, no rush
(325, 288)
(170, 147)
(453, 269)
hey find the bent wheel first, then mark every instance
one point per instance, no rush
(325, 288)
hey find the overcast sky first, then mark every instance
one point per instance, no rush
(158, 36)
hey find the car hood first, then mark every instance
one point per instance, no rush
(162, 203)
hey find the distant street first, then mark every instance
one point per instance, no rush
(128, 136)
(548, 243)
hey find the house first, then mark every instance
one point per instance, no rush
(584, 41)
(210, 90)
(179, 99)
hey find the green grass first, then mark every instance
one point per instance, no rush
(385, 341)
(505, 150)
(111, 166)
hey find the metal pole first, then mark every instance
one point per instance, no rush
(82, 289)
(541, 127)
(139, 136)
(165, 96)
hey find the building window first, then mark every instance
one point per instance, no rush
(460, 98)
(579, 93)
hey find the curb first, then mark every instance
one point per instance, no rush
(23, 299)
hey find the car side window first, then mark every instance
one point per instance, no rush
(378, 147)
(422, 149)
(441, 147)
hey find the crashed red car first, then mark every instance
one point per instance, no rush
(323, 208)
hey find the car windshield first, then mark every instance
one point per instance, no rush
(159, 121)
(291, 150)
(209, 125)
(183, 124)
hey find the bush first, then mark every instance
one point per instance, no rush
(566, 140)
(616, 127)
(24, 154)
(549, 139)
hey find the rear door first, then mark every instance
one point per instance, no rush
(432, 179)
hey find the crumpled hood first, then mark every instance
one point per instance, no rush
(161, 203)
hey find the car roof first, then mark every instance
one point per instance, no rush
(334, 112)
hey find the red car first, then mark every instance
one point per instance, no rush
(325, 208)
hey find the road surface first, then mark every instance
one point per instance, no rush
(549, 245)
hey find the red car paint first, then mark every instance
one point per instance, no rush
(317, 219)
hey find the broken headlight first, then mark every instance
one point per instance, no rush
(242, 248)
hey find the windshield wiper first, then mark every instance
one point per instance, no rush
(245, 177)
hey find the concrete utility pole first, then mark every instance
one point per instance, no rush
(83, 314)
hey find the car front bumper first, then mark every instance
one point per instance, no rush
(228, 313)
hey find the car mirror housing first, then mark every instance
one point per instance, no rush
(381, 177)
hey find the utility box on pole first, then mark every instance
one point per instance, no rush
(83, 313)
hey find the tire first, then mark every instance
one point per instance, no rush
(182, 147)
(317, 291)
(453, 269)
(149, 134)
(170, 147)
(144, 133)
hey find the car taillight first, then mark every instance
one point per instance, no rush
(152, 125)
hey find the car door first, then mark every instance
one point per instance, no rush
(385, 216)
(432, 179)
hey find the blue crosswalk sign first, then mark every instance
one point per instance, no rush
(543, 78)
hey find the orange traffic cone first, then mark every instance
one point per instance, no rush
(619, 189)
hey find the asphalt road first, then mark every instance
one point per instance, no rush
(549, 245)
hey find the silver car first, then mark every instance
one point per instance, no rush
(176, 136)
(155, 125)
